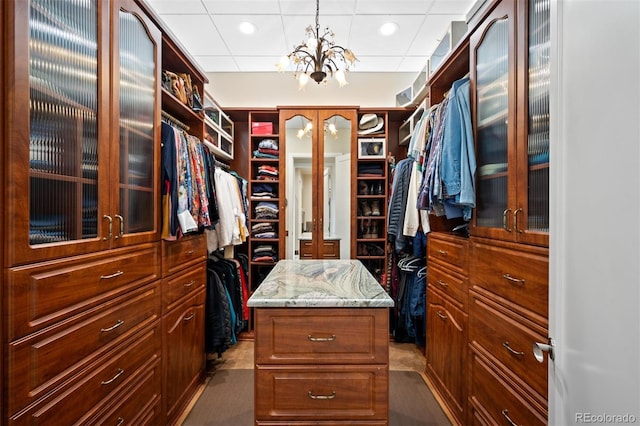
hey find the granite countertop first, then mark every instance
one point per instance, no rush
(320, 283)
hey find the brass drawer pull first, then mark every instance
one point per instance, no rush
(512, 351)
(189, 252)
(120, 421)
(331, 396)
(441, 315)
(505, 226)
(505, 413)
(121, 220)
(110, 219)
(443, 252)
(111, 380)
(189, 317)
(322, 339)
(442, 283)
(113, 327)
(512, 279)
(108, 277)
(187, 285)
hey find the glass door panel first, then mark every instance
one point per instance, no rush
(137, 148)
(63, 121)
(492, 113)
(538, 116)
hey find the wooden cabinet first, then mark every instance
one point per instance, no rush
(510, 98)
(183, 312)
(330, 249)
(371, 192)
(81, 254)
(266, 243)
(447, 320)
(321, 366)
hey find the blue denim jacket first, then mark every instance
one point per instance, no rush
(458, 163)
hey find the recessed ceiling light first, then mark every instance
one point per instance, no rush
(388, 28)
(247, 28)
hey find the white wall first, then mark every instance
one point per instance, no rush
(269, 90)
(595, 205)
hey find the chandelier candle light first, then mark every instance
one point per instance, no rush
(318, 56)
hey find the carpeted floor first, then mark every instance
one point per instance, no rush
(227, 400)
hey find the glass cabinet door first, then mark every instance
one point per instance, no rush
(533, 224)
(135, 216)
(492, 53)
(56, 123)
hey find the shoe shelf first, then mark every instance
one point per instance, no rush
(371, 203)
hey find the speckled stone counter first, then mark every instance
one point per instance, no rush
(320, 283)
(321, 345)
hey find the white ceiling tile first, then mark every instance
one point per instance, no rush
(295, 26)
(397, 7)
(377, 64)
(460, 7)
(257, 63)
(240, 7)
(217, 63)
(327, 7)
(177, 7)
(367, 40)
(267, 40)
(430, 34)
(415, 63)
(197, 34)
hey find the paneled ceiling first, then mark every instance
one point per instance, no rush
(209, 30)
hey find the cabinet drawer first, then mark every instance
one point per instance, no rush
(519, 276)
(43, 294)
(322, 393)
(509, 339)
(183, 284)
(100, 383)
(450, 250)
(321, 336)
(449, 284)
(496, 400)
(44, 360)
(183, 253)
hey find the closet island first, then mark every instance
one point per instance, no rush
(321, 349)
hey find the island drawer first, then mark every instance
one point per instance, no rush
(330, 393)
(321, 336)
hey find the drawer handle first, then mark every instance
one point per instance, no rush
(187, 285)
(121, 220)
(108, 277)
(513, 280)
(443, 252)
(120, 421)
(504, 220)
(505, 413)
(512, 351)
(113, 327)
(189, 252)
(111, 380)
(330, 396)
(189, 317)
(322, 339)
(442, 283)
(441, 315)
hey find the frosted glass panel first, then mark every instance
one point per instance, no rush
(137, 97)
(538, 138)
(63, 141)
(492, 64)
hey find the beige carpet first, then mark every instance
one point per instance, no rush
(227, 400)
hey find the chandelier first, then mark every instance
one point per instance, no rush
(318, 56)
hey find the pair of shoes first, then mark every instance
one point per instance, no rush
(371, 230)
(365, 208)
(373, 249)
(376, 189)
(375, 208)
(363, 188)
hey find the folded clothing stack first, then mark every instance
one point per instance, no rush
(263, 190)
(264, 230)
(266, 210)
(370, 170)
(265, 253)
(266, 172)
(267, 148)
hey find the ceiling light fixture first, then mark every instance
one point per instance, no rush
(318, 56)
(388, 28)
(247, 28)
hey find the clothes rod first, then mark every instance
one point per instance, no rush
(174, 121)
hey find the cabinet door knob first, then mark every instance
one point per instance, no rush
(505, 220)
(110, 219)
(121, 220)
(515, 220)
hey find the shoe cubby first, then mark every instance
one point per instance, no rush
(372, 194)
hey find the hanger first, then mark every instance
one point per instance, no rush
(172, 121)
